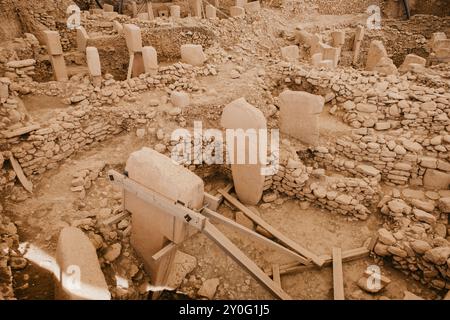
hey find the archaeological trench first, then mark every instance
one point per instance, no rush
(115, 184)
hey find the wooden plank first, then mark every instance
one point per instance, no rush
(164, 251)
(246, 231)
(338, 277)
(20, 175)
(276, 274)
(116, 218)
(227, 189)
(239, 257)
(372, 243)
(130, 66)
(347, 256)
(277, 234)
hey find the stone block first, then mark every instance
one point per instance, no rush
(237, 11)
(150, 58)
(290, 53)
(377, 51)
(175, 11)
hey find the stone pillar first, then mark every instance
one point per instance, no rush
(247, 177)
(210, 12)
(333, 54)
(193, 54)
(134, 44)
(290, 53)
(252, 7)
(4, 89)
(150, 58)
(377, 51)
(299, 115)
(150, 11)
(54, 49)
(82, 39)
(175, 11)
(143, 16)
(134, 9)
(154, 228)
(80, 276)
(237, 11)
(240, 3)
(108, 7)
(359, 36)
(338, 38)
(94, 66)
(196, 8)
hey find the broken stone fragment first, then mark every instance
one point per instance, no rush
(208, 288)
(444, 205)
(183, 265)
(113, 252)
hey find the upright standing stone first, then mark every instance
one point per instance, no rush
(196, 6)
(80, 276)
(94, 66)
(175, 11)
(290, 53)
(134, 9)
(54, 49)
(299, 115)
(134, 43)
(252, 7)
(108, 7)
(247, 177)
(333, 54)
(359, 36)
(153, 228)
(150, 58)
(82, 39)
(240, 3)
(151, 16)
(192, 54)
(338, 38)
(237, 11)
(210, 11)
(377, 51)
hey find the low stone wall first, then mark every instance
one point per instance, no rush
(414, 238)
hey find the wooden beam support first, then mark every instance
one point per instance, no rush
(164, 251)
(338, 277)
(214, 216)
(239, 257)
(276, 274)
(347, 256)
(277, 234)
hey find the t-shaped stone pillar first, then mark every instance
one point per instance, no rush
(243, 118)
(299, 113)
(54, 48)
(359, 36)
(94, 66)
(82, 39)
(134, 44)
(153, 228)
